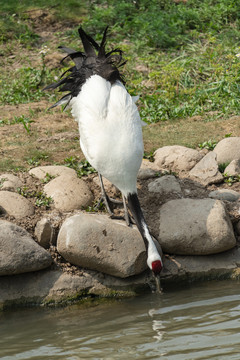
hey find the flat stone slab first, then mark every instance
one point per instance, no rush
(40, 172)
(206, 171)
(195, 227)
(228, 149)
(19, 253)
(9, 182)
(15, 204)
(69, 192)
(176, 158)
(99, 243)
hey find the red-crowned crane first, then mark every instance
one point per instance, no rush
(109, 124)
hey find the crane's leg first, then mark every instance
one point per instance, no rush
(126, 213)
(104, 197)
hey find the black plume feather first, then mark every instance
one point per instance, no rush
(93, 61)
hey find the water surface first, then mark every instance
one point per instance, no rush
(189, 323)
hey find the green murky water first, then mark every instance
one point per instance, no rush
(189, 323)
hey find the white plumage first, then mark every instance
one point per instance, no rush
(110, 131)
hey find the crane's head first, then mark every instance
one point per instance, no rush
(156, 267)
(154, 262)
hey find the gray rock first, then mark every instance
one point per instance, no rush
(228, 149)
(69, 192)
(176, 158)
(206, 171)
(9, 182)
(166, 184)
(99, 243)
(147, 170)
(224, 194)
(233, 168)
(195, 227)
(19, 253)
(15, 205)
(44, 232)
(54, 170)
(48, 287)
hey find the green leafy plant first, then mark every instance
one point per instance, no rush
(26, 121)
(222, 167)
(231, 179)
(81, 167)
(42, 200)
(48, 177)
(209, 145)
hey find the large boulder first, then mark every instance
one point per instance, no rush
(69, 192)
(15, 204)
(99, 243)
(19, 253)
(195, 227)
(206, 171)
(176, 158)
(228, 149)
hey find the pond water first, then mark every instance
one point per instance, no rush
(186, 323)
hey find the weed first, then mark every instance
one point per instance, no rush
(231, 179)
(209, 145)
(43, 200)
(81, 167)
(36, 157)
(48, 178)
(149, 156)
(26, 121)
(222, 167)
(2, 182)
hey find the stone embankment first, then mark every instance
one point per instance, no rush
(191, 212)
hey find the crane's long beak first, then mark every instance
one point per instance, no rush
(158, 283)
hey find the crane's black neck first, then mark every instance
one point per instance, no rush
(135, 208)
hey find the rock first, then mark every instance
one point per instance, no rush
(52, 287)
(44, 232)
(176, 158)
(224, 194)
(19, 252)
(69, 192)
(15, 205)
(195, 227)
(166, 184)
(99, 243)
(9, 182)
(147, 170)
(40, 172)
(206, 171)
(228, 149)
(233, 169)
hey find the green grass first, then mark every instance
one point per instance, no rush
(187, 50)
